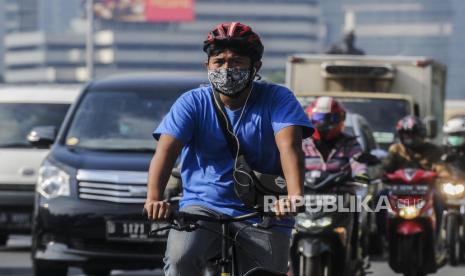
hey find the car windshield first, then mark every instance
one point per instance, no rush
(381, 114)
(18, 119)
(118, 120)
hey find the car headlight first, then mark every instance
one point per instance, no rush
(305, 222)
(52, 181)
(409, 212)
(454, 190)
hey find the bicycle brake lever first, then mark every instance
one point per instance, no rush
(152, 232)
(187, 227)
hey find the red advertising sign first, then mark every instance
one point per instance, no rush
(146, 10)
(169, 10)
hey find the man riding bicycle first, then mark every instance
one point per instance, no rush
(269, 124)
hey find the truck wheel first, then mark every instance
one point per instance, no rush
(44, 268)
(453, 240)
(3, 239)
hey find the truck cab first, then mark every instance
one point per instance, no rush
(381, 88)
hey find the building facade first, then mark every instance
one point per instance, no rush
(52, 55)
(26, 16)
(20, 15)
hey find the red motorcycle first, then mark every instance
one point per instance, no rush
(416, 246)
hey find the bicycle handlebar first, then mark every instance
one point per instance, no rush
(183, 221)
(193, 218)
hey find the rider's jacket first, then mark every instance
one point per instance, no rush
(319, 156)
(426, 157)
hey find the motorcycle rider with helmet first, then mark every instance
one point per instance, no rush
(330, 146)
(412, 151)
(454, 131)
(452, 188)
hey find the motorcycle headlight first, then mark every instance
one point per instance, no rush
(52, 181)
(453, 190)
(409, 212)
(305, 222)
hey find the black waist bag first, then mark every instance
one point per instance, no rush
(249, 185)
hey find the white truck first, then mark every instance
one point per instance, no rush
(383, 89)
(21, 109)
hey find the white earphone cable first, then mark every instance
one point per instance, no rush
(234, 135)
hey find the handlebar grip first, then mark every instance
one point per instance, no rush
(152, 232)
(144, 212)
(300, 209)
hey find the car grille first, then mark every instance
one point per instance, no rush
(112, 186)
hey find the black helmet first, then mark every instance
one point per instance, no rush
(411, 131)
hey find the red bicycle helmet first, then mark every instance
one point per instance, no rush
(235, 33)
(327, 116)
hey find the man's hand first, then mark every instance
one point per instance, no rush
(160, 169)
(157, 210)
(286, 206)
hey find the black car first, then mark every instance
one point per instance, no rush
(92, 185)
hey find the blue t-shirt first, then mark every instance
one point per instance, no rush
(206, 159)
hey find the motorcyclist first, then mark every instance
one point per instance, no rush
(454, 172)
(454, 157)
(330, 147)
(413, 151)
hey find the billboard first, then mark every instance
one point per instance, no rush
(145, 10)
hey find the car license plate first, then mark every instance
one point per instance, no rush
(134, 230)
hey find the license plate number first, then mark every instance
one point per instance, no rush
(125, 230)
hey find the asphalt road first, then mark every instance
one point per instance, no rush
(15, 261)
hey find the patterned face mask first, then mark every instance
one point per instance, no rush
(229, 81)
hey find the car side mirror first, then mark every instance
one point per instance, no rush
(42, 136)
(368, 159)
(431, 127)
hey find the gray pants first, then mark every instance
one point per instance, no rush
(188, 253)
